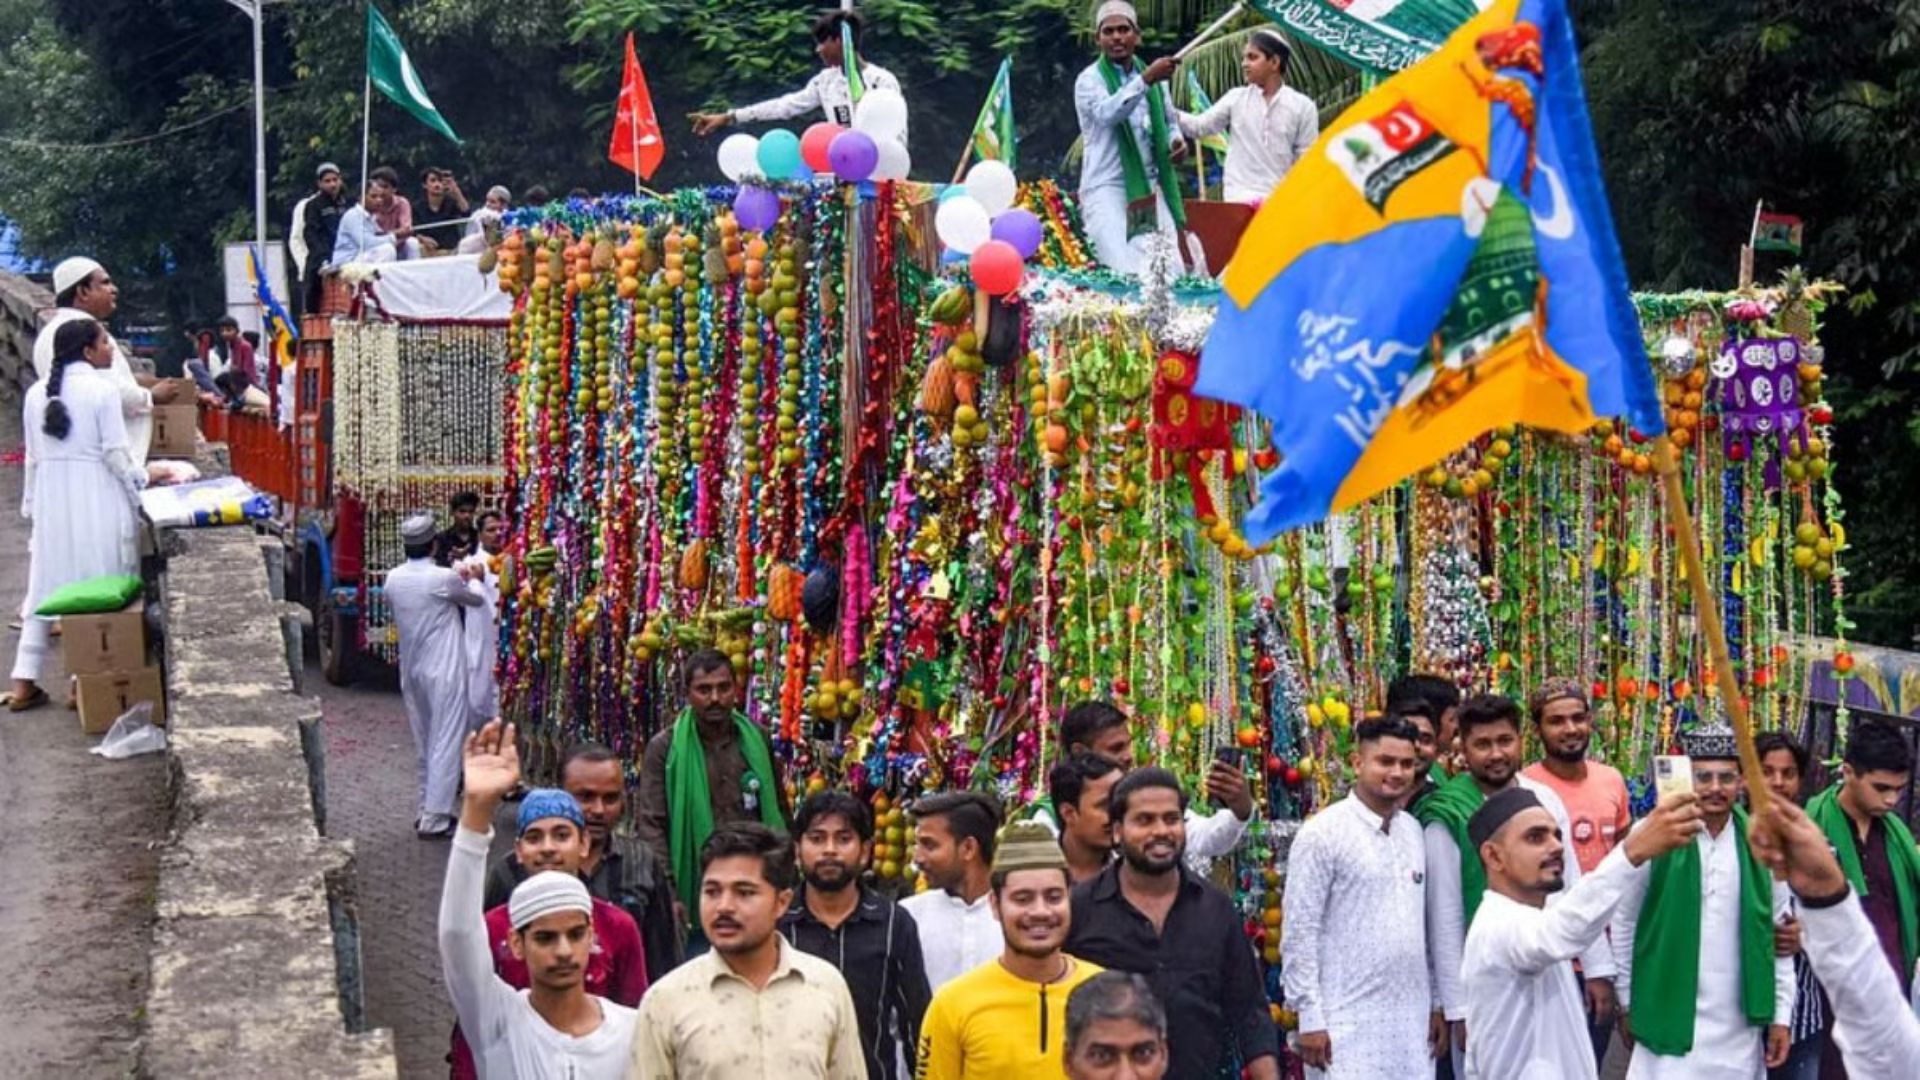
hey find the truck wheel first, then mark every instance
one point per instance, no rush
(338, 650)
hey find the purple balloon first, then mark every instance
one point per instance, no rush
(1020, 228)
(853, 155)
(756, 208)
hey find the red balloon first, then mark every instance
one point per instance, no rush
(996, 267)
(813, 145)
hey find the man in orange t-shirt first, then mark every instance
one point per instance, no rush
(1595, 795)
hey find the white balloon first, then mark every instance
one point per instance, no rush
(739, 155)
(894, 161)
(963, 224)
(992, 183)
(881, 112)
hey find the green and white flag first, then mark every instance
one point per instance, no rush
(856, 86)
(389, 69)
(993, 134)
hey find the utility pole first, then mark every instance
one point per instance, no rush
(255, 10)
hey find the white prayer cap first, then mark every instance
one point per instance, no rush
(1115, 9)
(72, 271)
(545, 893)
(417, 529)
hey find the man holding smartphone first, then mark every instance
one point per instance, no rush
(1699, 924)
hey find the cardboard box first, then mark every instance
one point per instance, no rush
(175, 431)
(102, 698)
(98, 644)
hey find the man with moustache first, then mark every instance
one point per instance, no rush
(1146, 913)
(1456, 882)
(1355, 941)
(1007, 1017)
(1712, 1000)
(1522, 999)
(1079, 788)
(865, 936)
(753, 1006)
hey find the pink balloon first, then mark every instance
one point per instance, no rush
(997, 267)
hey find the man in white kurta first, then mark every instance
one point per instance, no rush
(85, 290)
(1354, 944)
(1272, 124)
(426, 600)
(1725, 1045)
(1524, 1006)
(1447, 922)
(1107, 116)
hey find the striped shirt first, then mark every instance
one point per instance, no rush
(1810, 1004)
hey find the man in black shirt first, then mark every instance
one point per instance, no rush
(444, 202)
(319, 226)
(1146, 913)
(463, 536)
(873, 943)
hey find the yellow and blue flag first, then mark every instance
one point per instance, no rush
(1440, 263)
(274, 319)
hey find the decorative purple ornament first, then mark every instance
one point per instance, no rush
(1020, 228)
(756, 208)
(853, 155)
(1759, 393)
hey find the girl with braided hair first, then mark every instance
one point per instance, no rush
(82, 490)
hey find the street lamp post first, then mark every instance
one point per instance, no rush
(253, 9)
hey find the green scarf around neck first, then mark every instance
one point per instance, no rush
(690, 806)
(1134, 166)
(1902, 859)
(1452, 804)
(1666, 944)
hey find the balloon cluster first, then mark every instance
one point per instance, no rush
(979, 220)
(874, 148)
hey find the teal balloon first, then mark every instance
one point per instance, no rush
(780, 155)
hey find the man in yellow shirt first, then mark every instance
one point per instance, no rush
(1008, 1017)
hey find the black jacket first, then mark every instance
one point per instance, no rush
(877, 950)
(630, 878)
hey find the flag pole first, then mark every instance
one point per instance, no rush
(366, 131)
(1706, 608)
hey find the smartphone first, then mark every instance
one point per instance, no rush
(1229, 756)
(1672, 774)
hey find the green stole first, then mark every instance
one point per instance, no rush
(690, 806)
(1666, 944)
(1902, 859)
(1452, 804)
(1134, 167)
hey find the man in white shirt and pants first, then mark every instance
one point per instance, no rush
(426, 600)
(1354, 935)
(1523, 1004)
(1698, 927)
(481, 624)
(1124, 112)
(1272, 124)
(827, 91)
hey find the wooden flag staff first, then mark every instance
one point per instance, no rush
(1706, 610)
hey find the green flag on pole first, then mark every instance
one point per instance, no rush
(994, 138)
(1197, 97)
(856, 86)
(389, 70)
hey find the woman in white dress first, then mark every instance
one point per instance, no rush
(82, 489)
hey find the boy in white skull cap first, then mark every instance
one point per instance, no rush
(554, 1028)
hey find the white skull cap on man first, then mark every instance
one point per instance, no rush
(545, 893)
(72, 271)
(1110, 9)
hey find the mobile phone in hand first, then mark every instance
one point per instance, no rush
(1672, 775)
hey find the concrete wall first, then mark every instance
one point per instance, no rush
(21, 302)
(256, 960)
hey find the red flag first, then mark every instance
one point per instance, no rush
(637, 145)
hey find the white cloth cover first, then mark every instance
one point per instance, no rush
(447, 287)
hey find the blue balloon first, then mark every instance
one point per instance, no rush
(779, 155)
(952, 191)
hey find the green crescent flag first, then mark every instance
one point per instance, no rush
(994, 138)
(389, 69)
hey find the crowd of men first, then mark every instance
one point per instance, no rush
(1086, 938)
